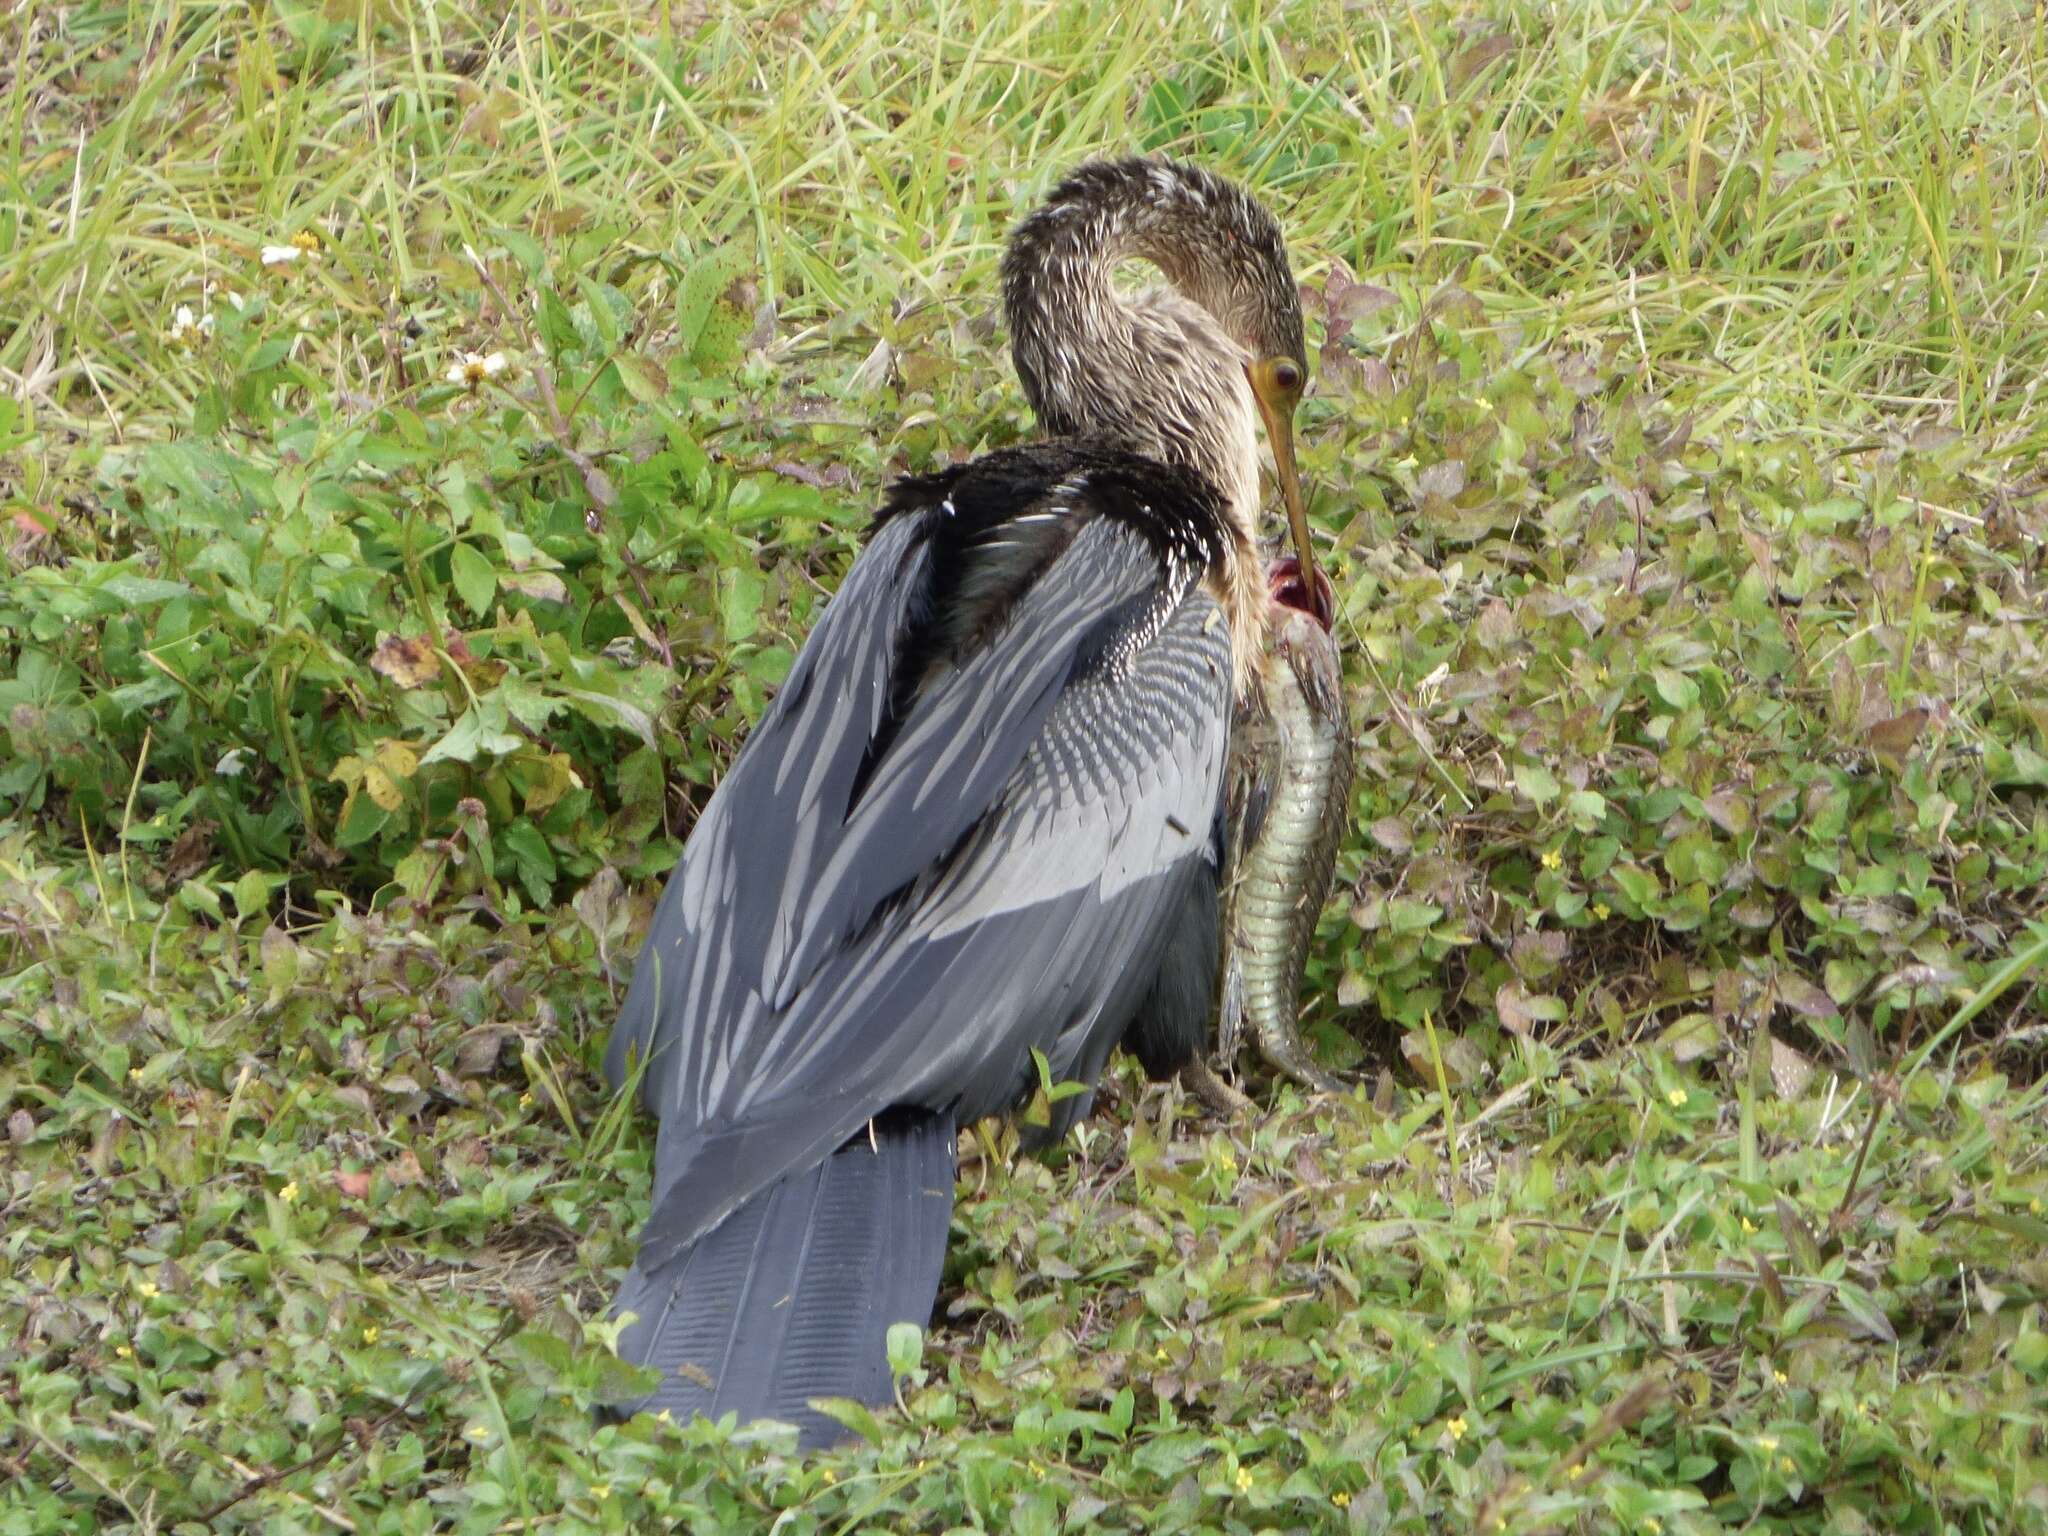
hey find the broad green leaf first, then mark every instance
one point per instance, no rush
(474, 579)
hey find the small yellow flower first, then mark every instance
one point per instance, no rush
(1677, 1097)
(306, 241)
(1484, 404)
(665, 1417)
(829, 1475)
(290, 1192)
(1244, 1479)
(1600, 673)
(1749, 1230)
(1766, 1443)
(1037, 1471)
(1341, 1499)
(526, 1101)
(1781, 1378)
(135, 1074)
(600, 1490)
(1227, 1160)
(1652, 1524)
(478, 1433)
(1160, 1356)
(123, 1351)
(1602, 911)
(1787, 1465)
(1457, 1427)
(1553, 859)
(2034, 1206)
(148, 1290)
(370, 1334)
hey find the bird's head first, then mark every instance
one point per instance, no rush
(1278, 374)
(1187, 372)
(1220, 247)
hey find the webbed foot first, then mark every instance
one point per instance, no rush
(1286, 1053)
(1200, 1079)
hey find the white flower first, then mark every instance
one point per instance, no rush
(304, 246)
(187, 329)
(230, 764)
(474, 369)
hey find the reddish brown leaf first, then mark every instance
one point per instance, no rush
(353, 1183)
(407, 660)
(1773, 1286)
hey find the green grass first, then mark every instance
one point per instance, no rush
(1681, 462)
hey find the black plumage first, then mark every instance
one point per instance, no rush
(942, 848)
(981, 819)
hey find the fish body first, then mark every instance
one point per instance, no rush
(1290, 791)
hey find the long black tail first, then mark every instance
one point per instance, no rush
(791, 1297)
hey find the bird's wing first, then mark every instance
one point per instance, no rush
(1001, 880)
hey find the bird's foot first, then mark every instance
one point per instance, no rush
(1200, 1079)
(1286, 1054)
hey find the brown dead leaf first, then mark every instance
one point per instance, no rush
(1510, 1003)
(1445, 479)
(1475, 58)
(1495, 626)
(1463, 1064)
(598, 903)
(1790, 1071)
(21, 1125)
(542, 586)
(1392, 834)
(190, 853)
(477, 1052)
(408, 660)
(1890, 740)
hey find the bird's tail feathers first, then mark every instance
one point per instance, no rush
(791, 1297)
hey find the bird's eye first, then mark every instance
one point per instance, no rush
(1286, 375)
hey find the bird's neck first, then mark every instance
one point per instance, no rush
(1154, 372)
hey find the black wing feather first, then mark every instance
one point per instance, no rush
(851, 930)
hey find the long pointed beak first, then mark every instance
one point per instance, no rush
(1280, 434)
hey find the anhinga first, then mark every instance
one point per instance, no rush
(981, 818)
